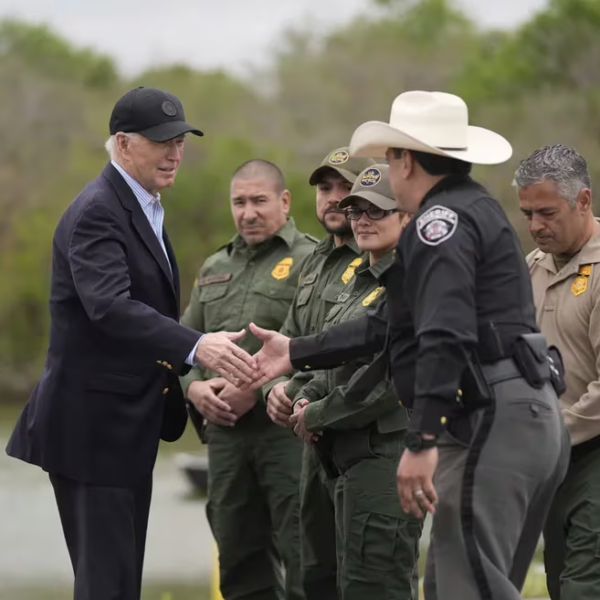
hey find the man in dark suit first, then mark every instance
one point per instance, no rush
(110, 389)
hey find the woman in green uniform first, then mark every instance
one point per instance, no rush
(377, 543)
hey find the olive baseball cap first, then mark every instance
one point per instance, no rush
(153, 113)
(340, 161)
(373, 184)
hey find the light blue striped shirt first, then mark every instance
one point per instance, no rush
(156, 215)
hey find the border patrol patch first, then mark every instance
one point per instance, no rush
(282, 268)
(339, 158)
(436, 225)
(349, 272)
(370, 178)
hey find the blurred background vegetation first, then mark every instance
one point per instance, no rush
(536, 84)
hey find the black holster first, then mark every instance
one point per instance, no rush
(324, 451)
(539, 363)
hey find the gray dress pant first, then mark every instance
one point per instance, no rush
(495, 488)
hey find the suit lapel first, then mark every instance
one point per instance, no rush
(175, 269)
(140, 221)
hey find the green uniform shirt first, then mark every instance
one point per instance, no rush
(240, 284)
(326, 391)
(324, 275)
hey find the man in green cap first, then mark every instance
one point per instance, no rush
(253, 503)
(377, 542)
(323, 277)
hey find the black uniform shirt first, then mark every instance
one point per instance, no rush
(460, 273)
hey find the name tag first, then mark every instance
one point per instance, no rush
(214, 279)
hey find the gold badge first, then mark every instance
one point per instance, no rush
(339, 158)
(349, 272)
(282, 268)
(371, 296)
(580, 284)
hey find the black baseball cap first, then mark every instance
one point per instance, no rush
(153, 113)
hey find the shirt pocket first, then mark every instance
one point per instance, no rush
(217, 313)
(331, 293)
(273, 304)
(304, 295)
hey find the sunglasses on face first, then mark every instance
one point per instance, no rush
(373, 212)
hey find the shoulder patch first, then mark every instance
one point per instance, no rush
(214, 279)
(436, 225)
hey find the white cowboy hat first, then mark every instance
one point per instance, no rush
(432, 122)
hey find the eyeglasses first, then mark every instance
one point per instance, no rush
(373, 212)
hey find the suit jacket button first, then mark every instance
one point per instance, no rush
(166, 391)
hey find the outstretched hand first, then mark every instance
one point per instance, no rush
(217, 352)
(273, 359)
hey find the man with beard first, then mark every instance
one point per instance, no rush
(323, 276)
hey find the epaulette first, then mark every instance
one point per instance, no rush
(312, 238)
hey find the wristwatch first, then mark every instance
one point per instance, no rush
(415, 442)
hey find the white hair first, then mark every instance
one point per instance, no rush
(111, 146)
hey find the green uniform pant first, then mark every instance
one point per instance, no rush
(378, 543)
(253, 509)
(572, 532)
(317, 530)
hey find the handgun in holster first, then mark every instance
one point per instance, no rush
(324, 450)
(539, 363)
(198, 421)
(475, 391)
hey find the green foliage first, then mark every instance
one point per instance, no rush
(536, 84)
(46, 53)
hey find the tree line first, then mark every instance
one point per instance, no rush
(535, 84)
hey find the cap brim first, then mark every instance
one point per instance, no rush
(168, 131)
(373, 197)
(484, 147)
(320, 172)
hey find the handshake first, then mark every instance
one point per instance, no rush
(217, 352)
(225, 399)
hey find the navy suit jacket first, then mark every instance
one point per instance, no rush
(110, 389)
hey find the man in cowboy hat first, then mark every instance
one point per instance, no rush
(464, 353)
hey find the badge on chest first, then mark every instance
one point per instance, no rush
(580, 284)
(282, 268)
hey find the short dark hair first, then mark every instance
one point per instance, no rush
(434, 164)
(259, 167)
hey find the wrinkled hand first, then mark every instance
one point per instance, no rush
(203, 395)
(415, 481)
(297, 420)
(218, 353)
(279, 406)
(273, 359)
(240, 401)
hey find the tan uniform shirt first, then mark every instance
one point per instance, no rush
(568, 313)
